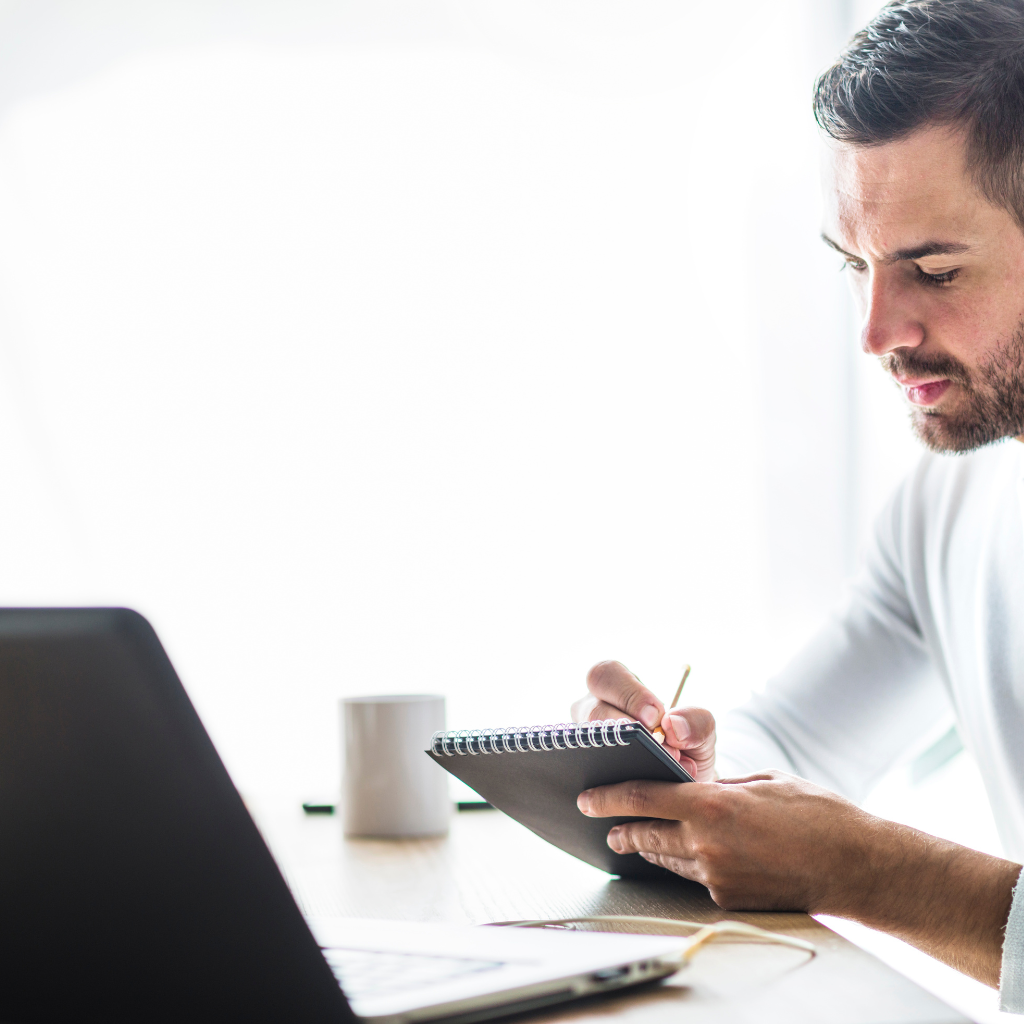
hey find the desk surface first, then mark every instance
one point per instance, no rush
(491, 869)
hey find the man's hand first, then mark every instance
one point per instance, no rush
(776, 842)
(616, 693)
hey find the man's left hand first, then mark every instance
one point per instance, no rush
(767, 842)
(775, 842)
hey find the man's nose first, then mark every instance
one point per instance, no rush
(890, 320)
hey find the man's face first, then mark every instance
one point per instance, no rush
(938, 274)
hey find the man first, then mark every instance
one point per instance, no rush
(924, 122)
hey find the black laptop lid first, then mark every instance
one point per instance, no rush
(133, 883)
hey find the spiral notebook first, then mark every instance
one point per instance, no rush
(535, 773)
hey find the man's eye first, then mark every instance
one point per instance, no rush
(936, 280)
(854, 264)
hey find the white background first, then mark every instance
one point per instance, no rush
(439, 347)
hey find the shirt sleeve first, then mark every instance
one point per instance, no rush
(1011, 977)
(858, 695)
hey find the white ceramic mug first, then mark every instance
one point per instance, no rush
(391, 788)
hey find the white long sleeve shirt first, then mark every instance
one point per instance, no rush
(933, 625)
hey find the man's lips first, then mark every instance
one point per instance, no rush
(923, 391)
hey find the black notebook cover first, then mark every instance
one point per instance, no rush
(534, 776)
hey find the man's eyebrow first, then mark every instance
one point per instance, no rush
(920, 252)
(917, 252)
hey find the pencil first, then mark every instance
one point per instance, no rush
(657, 732)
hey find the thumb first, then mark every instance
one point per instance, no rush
(613, 683)
(690, 729)
(691, 732)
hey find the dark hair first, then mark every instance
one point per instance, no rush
(954, 63)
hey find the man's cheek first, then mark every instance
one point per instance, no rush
(859, 291)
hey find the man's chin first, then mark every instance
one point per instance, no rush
(948, 434)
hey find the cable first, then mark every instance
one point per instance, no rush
(704, 933)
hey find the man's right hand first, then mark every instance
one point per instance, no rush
(616, 693)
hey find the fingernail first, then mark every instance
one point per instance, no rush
(649, 716)
(613, 840)
(680, 729)
(583, 802)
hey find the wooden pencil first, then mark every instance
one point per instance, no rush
(657, 732)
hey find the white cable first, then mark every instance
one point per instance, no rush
(704, 933)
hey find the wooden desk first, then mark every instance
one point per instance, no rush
(491, 869)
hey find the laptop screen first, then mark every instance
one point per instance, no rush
(133, 883)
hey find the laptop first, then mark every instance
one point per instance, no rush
(135, 886)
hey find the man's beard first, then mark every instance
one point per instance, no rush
(990, 402)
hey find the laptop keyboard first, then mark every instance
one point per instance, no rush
(363, 973)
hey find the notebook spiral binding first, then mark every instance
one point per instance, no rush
(562, 736)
